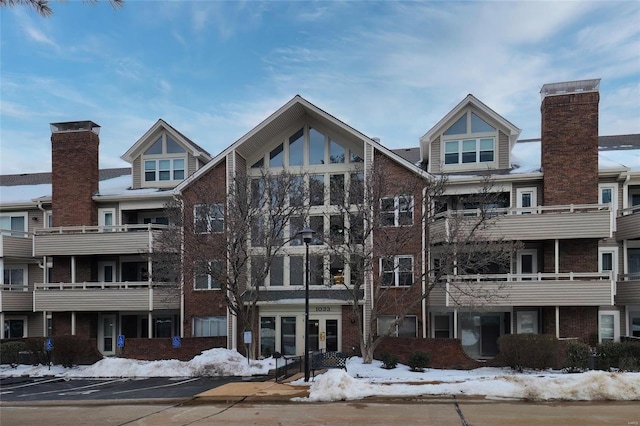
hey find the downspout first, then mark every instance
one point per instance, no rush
(426, 260)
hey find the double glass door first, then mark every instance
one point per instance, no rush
(323, 335)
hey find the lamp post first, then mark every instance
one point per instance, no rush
(307, 235)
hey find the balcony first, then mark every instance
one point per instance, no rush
(542, 289)
(16, 244)
(628, 289)
(535, 223)
(628, 224)
(88, 240)
(15, 298)
(102, 296)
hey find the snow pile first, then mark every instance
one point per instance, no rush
(366, 380)
(212, 362)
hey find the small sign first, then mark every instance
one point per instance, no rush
(176, 342)
(48, 345)
(247, 337)
(121, 340)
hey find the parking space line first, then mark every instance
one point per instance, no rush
(81, 387)
(34, 383)
(159, 386)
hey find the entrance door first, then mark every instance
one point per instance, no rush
(314, 335)
(331, 326)
(107, 272)
(527, 263)
(107, 334)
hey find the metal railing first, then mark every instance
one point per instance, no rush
(101, 285)
(100, 229)
(508, 211)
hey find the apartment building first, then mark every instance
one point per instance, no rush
(78, 245)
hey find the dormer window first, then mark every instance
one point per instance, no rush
(164, 161)
(469, 140)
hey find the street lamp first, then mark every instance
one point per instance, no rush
(307, 235)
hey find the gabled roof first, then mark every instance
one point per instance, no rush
(191, 146)
(296, 109)
(469, 100)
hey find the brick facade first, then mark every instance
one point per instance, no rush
(74, 159)
(575, 321)
(570, 148)
(445, 353)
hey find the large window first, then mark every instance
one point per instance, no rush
(469, 140)
(396, 211)
(16, 222)
(397, 271)
(308, 146)
(161, 164)
(208, 218)
(168, 169)
(210, 326)
(480, 150)
(407, 328)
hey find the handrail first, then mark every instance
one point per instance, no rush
(540, 276)
(13, 233)
(100, 285)
(100, 229)
(634, 276)
(14, 287)
(508, 211)
(629, 211)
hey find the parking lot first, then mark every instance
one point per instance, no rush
(25, 389)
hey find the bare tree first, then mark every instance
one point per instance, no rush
(232, 233)
(389, 215)
(43, 8)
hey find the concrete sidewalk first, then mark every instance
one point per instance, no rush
(254, 391)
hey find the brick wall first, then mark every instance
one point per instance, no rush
(86, 324)
(445, 353)
(156, 349)
(74, 159)
(570, 148)
(575, 321)
(350, 334)
(575, 256)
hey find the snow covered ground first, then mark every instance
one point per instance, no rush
(371, 380)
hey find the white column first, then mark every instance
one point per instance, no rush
(73, 269)
(150, 325)
(557, 256)
(44, 324)
(2, 325)
(557, 321)
(455, 323)
(73, 323)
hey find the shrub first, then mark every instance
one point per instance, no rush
(10, 352)
(72, 350)
(519, 351)
(577, 357)
(418, 361)
(37, 354)
(622, 355)
(389, 360)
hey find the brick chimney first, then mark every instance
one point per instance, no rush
(74, 158)
(570, 142)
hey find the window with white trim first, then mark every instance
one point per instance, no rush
(15, 277)
(164, 160)
(208, 218)
(396, 271)
(212, 326)
(396, 211)
(207, 275)
(607, 194)
(15, 327)
(469, 140)
(608, 326)
(16, 222)
(407, 328)
(607, 260)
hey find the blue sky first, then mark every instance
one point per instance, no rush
(214, 70)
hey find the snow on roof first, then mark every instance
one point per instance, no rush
(118, 186)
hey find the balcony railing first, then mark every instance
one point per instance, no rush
(106, 296)
(87, 240)
(628, 289)
(628, 224)
(15, 244)
(532, 223)
(541, 289)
